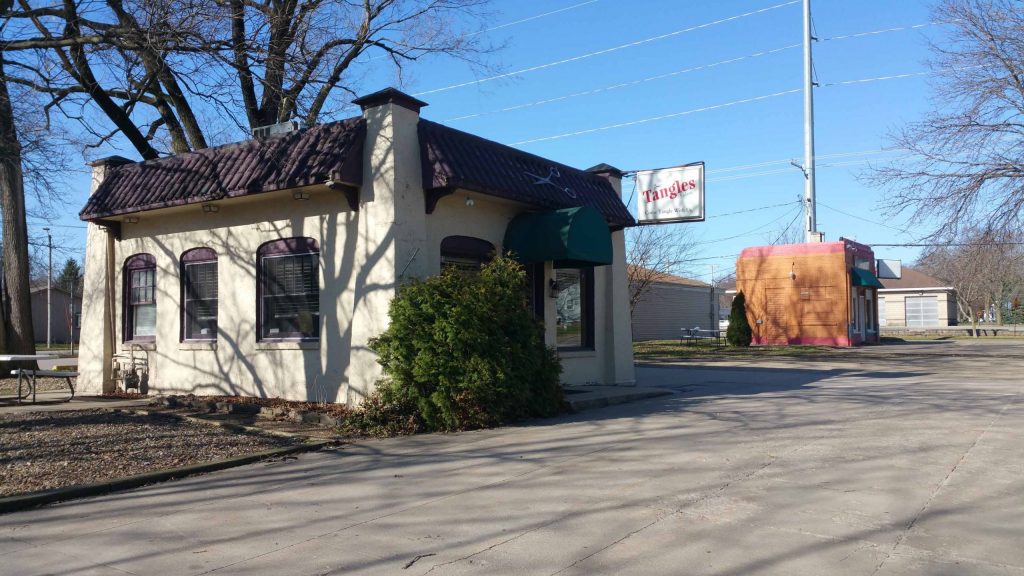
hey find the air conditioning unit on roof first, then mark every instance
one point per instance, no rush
(279, 129)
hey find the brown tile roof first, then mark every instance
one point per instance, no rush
(663, 278)
(913, 279)
(455, 159)
(309, 156)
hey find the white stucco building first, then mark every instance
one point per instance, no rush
(264, 267)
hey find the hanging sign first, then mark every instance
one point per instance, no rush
(671, 194)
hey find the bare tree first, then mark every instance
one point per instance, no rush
(654, 252)
(791, 234)
(162, 73)
(965, 161)
(17, 312)
(166, 74)
(985, 269)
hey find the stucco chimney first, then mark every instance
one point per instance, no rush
(389, 96)
(392, 226)
(610, 173)
(102, 167)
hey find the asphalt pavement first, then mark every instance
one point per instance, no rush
(888, 460)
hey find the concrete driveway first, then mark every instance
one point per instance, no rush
(895, 460)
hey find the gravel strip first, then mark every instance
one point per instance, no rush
(9, 386)
(46, 450)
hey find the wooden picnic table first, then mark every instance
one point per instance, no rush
(29, 376)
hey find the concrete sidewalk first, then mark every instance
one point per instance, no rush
(873, 469)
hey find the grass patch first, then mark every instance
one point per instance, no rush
(673, 349)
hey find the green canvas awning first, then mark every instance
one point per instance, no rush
(861, 277)
(571, 237)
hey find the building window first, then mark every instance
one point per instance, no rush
(289, 289)
(574, 306)
(465, 253)
(140, 298)
(199, 294)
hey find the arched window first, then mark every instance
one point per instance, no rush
(140, 298)
(288, 289)
(199, 294)
(465, 252)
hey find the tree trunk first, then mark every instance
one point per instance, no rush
(20, 339)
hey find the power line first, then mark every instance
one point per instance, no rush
(606, 50)
(947, 244)
(862, 219)
(881, 31)
(535, 17)
(788, 226)
(751, 210)
(705, 109)
(876, 79)
(656, 118)
(790, 159)
(753, 230)
(506, 25)
(623, 84)
(684, 71)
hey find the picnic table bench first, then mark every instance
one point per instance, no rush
(693, 335)
(28, 376)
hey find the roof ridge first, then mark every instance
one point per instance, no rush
(539, 158)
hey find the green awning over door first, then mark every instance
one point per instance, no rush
(571, 237)
(861, 277)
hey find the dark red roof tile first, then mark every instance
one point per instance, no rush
(310, 156)
(455, 159)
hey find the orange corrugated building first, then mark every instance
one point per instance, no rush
(817, 293)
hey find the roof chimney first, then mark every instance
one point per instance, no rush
(609, 173)
(389, 96)
(103, 167)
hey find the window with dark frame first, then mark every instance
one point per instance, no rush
(289, 289)
(574, 307)
(465, 253)
(199, 294)
(140, 298)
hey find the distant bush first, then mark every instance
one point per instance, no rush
(464, 351)
(739, 333)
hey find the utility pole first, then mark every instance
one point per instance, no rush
(810, 209)
(49, 281)
(711, 307)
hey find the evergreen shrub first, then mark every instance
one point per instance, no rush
(739, 332)
(464, 351)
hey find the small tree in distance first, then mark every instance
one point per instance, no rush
(739, 333)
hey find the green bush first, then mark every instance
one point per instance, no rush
(464, 351)
(739, 333)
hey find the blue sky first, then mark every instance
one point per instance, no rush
(746, 146)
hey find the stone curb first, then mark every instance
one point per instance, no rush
(233, 427)
(598, 400)
(15, 503)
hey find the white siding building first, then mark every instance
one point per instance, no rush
(673, 303)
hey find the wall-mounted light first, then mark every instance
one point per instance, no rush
(553, 288)
(469, 201)
(131, 220)
(211, 208)
(300, 195)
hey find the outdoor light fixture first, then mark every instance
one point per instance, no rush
(131, 220)
(469, 201)
(300, 195)
(553, 288)
(211, 208)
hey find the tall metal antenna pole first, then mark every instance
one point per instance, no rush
(810, 209)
